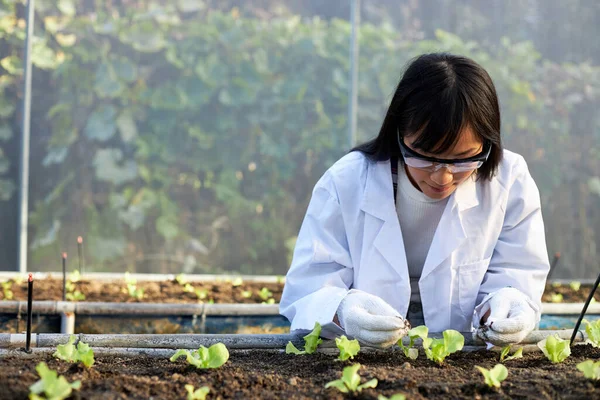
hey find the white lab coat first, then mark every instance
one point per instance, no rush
(491, 235)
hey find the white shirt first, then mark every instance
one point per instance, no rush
(419, 217)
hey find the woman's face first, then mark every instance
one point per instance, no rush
(442, 183)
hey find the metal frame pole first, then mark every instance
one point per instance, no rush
(24, 167)
(353, 93)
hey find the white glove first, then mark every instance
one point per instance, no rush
(371, 320)
(512, 317)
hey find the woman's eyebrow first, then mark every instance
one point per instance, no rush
(464, 153)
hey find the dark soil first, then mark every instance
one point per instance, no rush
(154, 292)
(219, 292)
(273, 375)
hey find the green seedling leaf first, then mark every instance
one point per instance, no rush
(397, 396)
(75, 296)
(350, 381)
(291, 349)
(237, 282)
(180, 279)
(506, 350)
(201, 293)
(188, 288)
(265, 294)
(211, 357)
(246, 294)
(198, 394)
(53, 387)
(556, 297)
(438, 349)
(590, 369)
(494, 376)
(556, 284)
(71, 353)
(575, 285)
(417, 332)
(593, 331)
(270, 301)
(75, 276)
(555, 348)
(7, 290)
(348, 348)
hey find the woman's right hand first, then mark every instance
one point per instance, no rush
(371, 320)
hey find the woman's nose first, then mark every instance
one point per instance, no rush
(442, 177)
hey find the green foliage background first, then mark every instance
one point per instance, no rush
(169, 134)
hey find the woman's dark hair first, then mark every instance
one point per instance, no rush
(437, 97)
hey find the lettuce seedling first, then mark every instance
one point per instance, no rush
(494, 377)
(198, 394)
(506, 350)
(555, 348)
(311, 341)
(593, 331)
(348, 348)
(265, 294)
(575, 285)
(556, 297)
(438, 349)
(132, 289)
(211, 357)
(246, 294)
(71, 353)
(590, 369)
(416, 332)
(350, 381)
(397, 396)
(237, 282)
(180, 279)
(188, 288)
(53, 387)
(7, 290)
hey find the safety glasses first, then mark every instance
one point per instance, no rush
(432, 164)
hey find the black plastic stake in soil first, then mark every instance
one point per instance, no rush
(585, 307)
(29, 313)
(80, 253)
(553, 265)
(64, 266)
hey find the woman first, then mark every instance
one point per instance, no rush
(431, 222)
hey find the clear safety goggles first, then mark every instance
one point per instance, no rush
(432, 164)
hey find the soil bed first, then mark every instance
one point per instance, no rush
(263, 374)
(219, 292)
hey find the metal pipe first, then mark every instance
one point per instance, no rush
(353, 92)
(153, 309)
(25, 123)
(67, 323)
(232, 341)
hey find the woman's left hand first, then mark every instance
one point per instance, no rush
(510, 318)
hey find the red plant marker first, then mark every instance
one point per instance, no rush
(64, 266)
(29, 313)
(80, 253)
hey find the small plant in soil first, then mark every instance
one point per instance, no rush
(397, 396)
(556, 298)
(198, 394)
(132, 289)
(237, 282)
(266, 295)
(246, 294)
(7, 290)
(211, 357)
(505, 357)
(348, 348)
(555, 348)
(438, 349)
(575, 286)
(350, 381)
(180, 279)
(311, 341)
(52, 386)
(72, 293)
(74, 354)
(494, 377)
(593, 331)
(416, 332)
(590, 369)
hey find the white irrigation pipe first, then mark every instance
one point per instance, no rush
(110, 276)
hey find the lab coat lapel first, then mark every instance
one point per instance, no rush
(450, 232)
(381, 219)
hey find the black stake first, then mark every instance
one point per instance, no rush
(585, 307)
(29, 313)
(64, 265)
(80, 253)
(553, 265)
